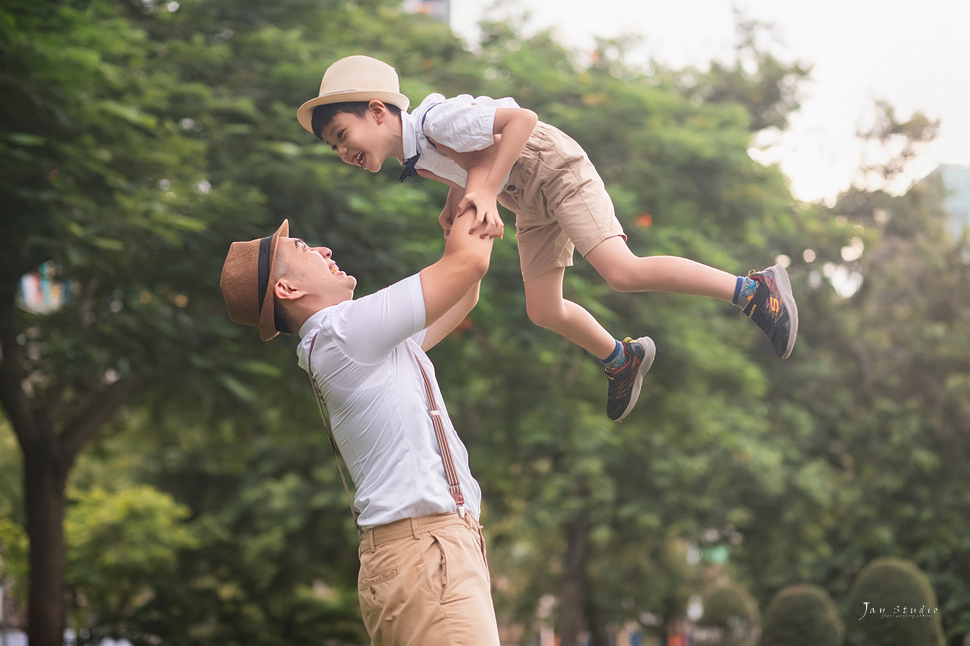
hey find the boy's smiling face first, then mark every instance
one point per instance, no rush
(362, 141)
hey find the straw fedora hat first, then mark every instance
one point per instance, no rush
(355, 78)
(248, 276)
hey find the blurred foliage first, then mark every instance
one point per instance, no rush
(139, 139)
(120, 546)
(730, 609)
(892, 604)
(802, 615)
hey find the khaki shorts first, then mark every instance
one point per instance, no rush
(424, 581)
(559, 201)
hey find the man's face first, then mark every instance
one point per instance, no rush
(314, 266)
(360, 141)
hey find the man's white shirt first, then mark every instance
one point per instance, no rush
(365, 364)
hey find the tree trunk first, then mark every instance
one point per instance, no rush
(44, 490)
(572, 601)
(597, 631)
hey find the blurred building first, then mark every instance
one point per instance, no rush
(40, 291)
(437, 9)
(955, 180)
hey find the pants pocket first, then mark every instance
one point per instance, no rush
(463, 563)
(481, 541)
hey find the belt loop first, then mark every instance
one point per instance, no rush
(366, 541)
(414, 528)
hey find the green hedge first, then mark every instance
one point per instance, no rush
(802, 615)
(892, 603)
(732, 610)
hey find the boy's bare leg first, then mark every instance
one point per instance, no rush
(764, 296)
(625, 363)
(547, 308)
(626, 272)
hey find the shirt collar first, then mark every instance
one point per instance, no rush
(411, 123)
(407, 132)
(311, 323)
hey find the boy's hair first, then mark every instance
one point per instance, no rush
(324, 114)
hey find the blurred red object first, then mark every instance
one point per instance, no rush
(644, 220)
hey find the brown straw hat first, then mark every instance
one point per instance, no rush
(248, 277)
(355, 78)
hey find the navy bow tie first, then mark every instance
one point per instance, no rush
(409, 168)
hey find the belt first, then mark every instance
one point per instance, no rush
(413, 527)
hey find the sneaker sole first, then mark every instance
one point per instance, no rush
(649, 354)
(788, 299)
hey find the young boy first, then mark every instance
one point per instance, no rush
(489, 150)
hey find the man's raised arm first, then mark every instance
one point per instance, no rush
(462, 266)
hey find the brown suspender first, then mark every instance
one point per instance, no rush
(439, 430)
(333, 442)
(454, 486)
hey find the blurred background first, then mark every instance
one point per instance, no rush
(915, 58)
(164, 477)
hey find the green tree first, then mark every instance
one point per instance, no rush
(892, 603)
(570, 489)
(870, 417)
(756, 79)
(99, 186)
(731, 610)
(135, 147)
(802, 615)
(119, 546)
(140, 138)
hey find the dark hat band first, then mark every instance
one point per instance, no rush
(263, 268)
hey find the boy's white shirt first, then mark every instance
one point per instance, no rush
(463, 123)
(365, 364)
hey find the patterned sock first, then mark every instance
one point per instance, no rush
(616, 360)
(744, 290)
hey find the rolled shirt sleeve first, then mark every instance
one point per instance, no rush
(464, 123)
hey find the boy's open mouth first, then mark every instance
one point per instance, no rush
(359, 159)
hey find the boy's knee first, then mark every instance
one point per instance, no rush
(620, 281)
(540, 316)
(535, 316)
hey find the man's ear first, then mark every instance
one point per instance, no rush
(286, 289)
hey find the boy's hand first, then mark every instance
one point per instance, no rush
(488, 222)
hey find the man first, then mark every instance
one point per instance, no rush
(423, 576)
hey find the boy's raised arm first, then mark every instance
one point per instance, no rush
(512, 127)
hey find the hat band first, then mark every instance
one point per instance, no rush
(263, 271)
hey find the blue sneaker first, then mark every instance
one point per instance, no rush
(626, 380)
(772, 307)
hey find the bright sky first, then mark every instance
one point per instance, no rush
(915, 55)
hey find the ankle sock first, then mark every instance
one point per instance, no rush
(616, 359)
(745, 288)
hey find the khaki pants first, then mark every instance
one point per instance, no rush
(424, 582)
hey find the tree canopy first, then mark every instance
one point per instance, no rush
(172, 480)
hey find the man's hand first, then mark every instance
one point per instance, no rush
(446, 220)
